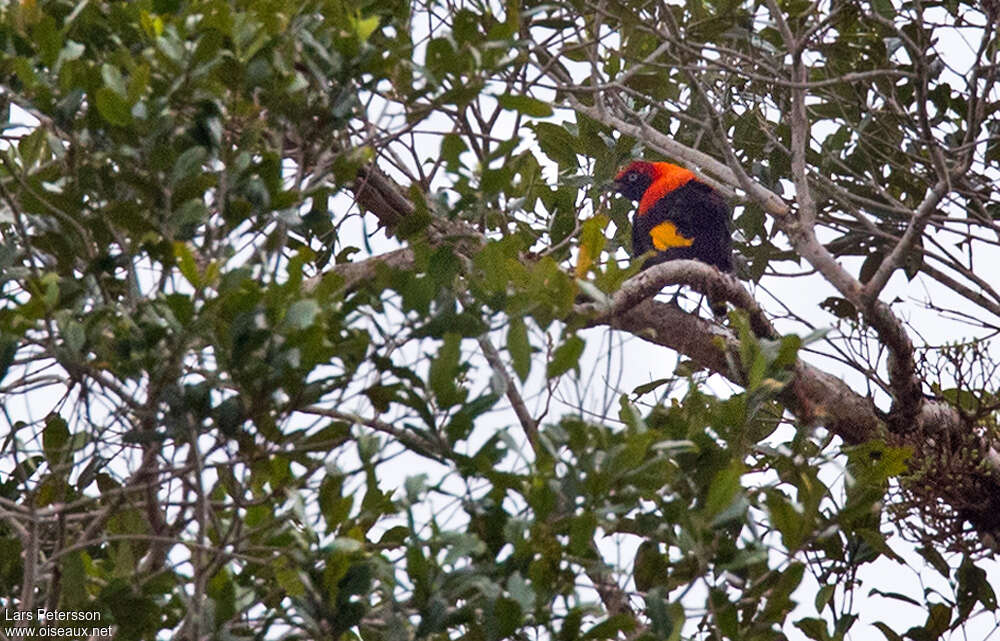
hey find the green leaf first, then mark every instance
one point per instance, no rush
(8, 350)
(570, 630)
(938, 620)
(138, 82)
(666, 619)
(288, 578)
(519, 347)
(897, 596)
(937, 561)
(30, 147)
(187, 265)
(365, 27)
(823, 596)
(650, 568)
(565, 357)
(55, 439)
(726, 614)
(358, 578)
(189, 163)
(788, 520)
(526, 105)
(394, 537)
(113, 79)
(888, 632)
(884, 8)
(452, 147)
(491, 262)
(166, 6)
(631, 417)
(503, 619)
(74, 581)
(186, 218)
(725, 489)
(48, 40)
(113, 107)
(521, 591)
(844, 624)
(222, 590)
(874, 462)
(779, 602)
(611, 627)
(651, 386)
(462, 421)
(74, 335)
(787, 352)
(813, 628)
(557, 143)
(876, 540)
(443, 371)
(72, 50)
(592, 242)
(302, 314)
(973, 586)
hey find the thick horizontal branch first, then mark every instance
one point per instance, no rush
(701, 277)
(813, 396)
(360, 271)
(377, 194)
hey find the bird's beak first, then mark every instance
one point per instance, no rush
(610, 186)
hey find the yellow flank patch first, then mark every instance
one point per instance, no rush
(665, 236)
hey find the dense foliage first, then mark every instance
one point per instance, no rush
(314, 319)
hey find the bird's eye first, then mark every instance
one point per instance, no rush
(633, 177)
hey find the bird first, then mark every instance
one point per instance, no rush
(678, 216)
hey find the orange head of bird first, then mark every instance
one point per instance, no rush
(647, 182)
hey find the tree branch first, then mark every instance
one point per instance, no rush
(913, 232)
(701, 277)
(528, 423)
(771, 202)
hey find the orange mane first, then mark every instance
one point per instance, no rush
(666, 178)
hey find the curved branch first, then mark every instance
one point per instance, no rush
(701, 277)
(910, 237)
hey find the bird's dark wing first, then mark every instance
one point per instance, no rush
(691, 221)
